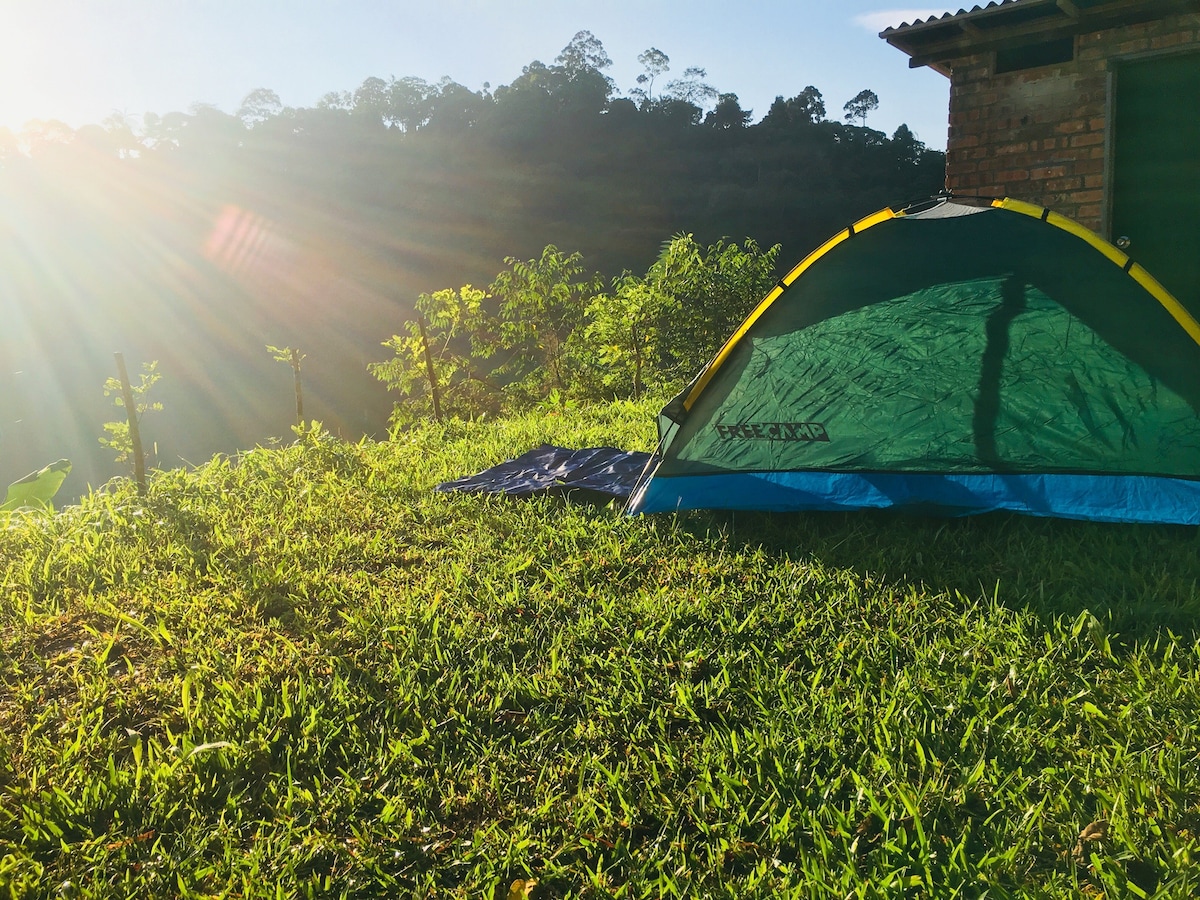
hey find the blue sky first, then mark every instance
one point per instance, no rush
(80, 60)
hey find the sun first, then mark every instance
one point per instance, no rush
(31, 66)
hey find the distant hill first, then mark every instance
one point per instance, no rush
(206, 236)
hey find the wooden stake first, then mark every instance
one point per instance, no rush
(433, 385)
(299, 395)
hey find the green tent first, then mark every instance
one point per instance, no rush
(954, 358)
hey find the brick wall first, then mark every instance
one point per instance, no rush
(1039, 135)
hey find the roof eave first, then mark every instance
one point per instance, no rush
(1063, 18)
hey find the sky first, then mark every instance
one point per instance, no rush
(79, 61)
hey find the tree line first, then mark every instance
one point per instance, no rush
(196, 238)
(575, 84)
(548, 331)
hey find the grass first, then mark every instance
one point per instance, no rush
(300, 673)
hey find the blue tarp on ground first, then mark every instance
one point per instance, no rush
(549, 469)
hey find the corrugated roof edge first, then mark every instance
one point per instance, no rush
(949, 16)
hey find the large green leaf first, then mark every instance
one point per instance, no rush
(37, 489)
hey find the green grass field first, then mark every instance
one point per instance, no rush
(301, 673)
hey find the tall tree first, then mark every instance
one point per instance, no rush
(342, 100)
(905, 145)
(808, 106)
(410, 102)
(164, 132)
(46, 135)
(455, 107)
(728, 114)
(655, 63)
(120, 128)
(258, 106)
(864, 103)
(372, 100)
(692, 88)
(584, 53)
(582, 63)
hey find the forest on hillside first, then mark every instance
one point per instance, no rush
(197, 238)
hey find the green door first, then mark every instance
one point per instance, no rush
(1156, 170)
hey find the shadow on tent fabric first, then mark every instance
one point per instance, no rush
(987, 402)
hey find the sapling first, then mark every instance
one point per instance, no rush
(126, 437)
(292, 357)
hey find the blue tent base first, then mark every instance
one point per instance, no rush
(1104, 498)
(598, 472)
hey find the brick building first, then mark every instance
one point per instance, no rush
(1089, 107)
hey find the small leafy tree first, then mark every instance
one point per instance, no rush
(623, 331)
(435, 363)
(124, 438)
(711, 290)
(667, 324)
(546, 333)
(536, 334)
